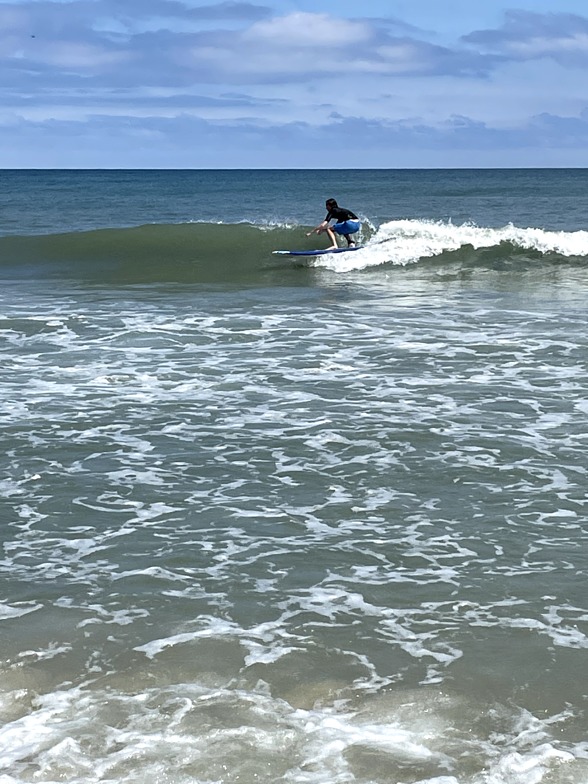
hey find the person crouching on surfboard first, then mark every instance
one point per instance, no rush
(346, 224)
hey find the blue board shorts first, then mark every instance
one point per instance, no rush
(347, 227)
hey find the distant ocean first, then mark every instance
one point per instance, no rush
(313, 522)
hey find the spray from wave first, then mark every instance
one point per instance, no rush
(404, 242)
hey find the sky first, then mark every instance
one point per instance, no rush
(293, 84)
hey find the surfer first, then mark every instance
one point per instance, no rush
(346, 224)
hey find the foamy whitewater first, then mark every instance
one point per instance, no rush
(309, 521)
(408, 241)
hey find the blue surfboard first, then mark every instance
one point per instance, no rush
(314, 252)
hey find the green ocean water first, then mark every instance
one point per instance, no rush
(267, 521)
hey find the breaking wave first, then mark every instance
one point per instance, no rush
(221, 253)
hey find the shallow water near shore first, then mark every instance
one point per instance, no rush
(268, 522)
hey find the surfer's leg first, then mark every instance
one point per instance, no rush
(332, 238)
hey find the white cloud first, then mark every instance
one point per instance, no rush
(528, 35)
(302, 30)
(541, 46)
(312, 78)
(315, 46)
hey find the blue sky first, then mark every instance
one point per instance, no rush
(304, 84)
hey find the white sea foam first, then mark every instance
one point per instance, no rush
(50, 652)
(305, 507)
(16, 611)
(95, 734)
(403, 242)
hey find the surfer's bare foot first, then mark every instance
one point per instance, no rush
(333, 247)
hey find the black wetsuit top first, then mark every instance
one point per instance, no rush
(340, 214)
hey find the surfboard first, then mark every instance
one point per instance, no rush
(314, 252)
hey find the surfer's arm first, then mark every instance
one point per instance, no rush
(318, 229)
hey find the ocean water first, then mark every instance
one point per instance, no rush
(314, 522)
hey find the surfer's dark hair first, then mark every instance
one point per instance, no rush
(332, 203)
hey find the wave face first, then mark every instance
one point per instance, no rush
(241, 253)
(190, 252)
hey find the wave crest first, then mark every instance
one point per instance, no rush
(403, 242)
(235, 253)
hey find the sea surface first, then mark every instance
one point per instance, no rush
(310, 522)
